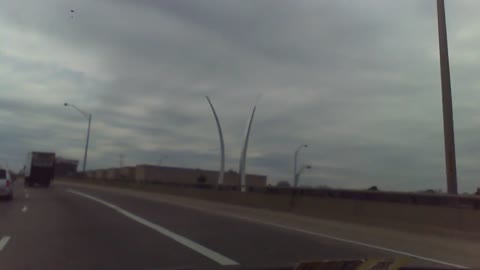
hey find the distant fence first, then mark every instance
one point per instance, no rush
(440, 200)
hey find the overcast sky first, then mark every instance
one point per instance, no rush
(358, 81)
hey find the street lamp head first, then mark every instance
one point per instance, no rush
(308, 167)
(65, 104)
(305, 145)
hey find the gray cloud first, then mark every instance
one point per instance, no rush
(358, 82)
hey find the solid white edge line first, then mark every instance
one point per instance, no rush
(322, 235)
(212, 255)
(4, 241)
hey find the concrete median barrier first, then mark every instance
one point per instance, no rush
(439, 217)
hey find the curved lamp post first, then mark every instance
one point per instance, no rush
(297, 175)
(88, 116)
(295, 159)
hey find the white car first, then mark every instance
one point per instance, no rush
(6, 184)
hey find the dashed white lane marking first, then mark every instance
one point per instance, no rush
(24, 209)
(212, 255)
(26, 195)
(3, 242)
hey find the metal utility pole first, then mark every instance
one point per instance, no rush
(448, 128)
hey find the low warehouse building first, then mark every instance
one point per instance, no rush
(161, 174)
(65, 167)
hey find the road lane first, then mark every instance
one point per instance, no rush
(249, 243)
(8, 208)
(212, 255)
(64, 231)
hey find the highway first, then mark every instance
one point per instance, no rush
(72, 227)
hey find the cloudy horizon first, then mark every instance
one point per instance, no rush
(359, 82)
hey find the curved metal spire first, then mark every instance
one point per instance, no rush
(244, 151)
(222, 146)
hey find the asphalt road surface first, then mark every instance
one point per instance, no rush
(80, 228)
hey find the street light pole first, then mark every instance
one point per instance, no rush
(86, 144)
(88, 116)
(295, 177)
(448, 128)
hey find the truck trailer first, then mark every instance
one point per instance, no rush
(39, 168)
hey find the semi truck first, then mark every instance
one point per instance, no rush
(39, 168)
